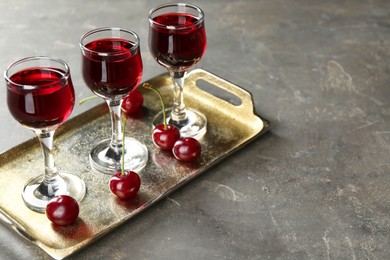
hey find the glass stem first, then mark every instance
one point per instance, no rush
(50, 183)
(179, 109)
(115, 151)
(46, 140)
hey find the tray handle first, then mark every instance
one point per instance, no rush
(246, 105)
(9, 222)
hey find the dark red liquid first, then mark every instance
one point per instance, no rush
(181, 48)
(115, 75)
(48, 102)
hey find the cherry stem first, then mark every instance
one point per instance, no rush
(123, 147)
(86, 99)
(148, 86)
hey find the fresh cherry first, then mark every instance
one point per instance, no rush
(62, 210)
(165, 137)
(187, 149)
(133, 102)
(125, 186)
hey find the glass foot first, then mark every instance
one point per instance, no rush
(64, 184)
(135, 158)
(194, 126)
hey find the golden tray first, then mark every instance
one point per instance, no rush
(229, 128)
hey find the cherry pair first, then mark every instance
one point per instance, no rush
(167, 137)
(64, 210)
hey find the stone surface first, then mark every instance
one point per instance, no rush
(315, 187)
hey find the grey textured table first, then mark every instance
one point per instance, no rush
(315, 187)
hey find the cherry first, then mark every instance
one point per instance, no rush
(125, 186)
(165, 138)
(164, 135)
(187, 149)
(133, 102)
(62, 210)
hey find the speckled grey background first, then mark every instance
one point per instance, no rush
(315, 187)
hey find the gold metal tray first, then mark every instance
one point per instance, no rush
(230, 127)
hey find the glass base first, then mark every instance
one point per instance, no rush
(194, 126)
(135, 158)
(66, 184)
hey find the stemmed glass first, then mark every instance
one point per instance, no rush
(112, 68)
(177, 41)
(40, 96)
